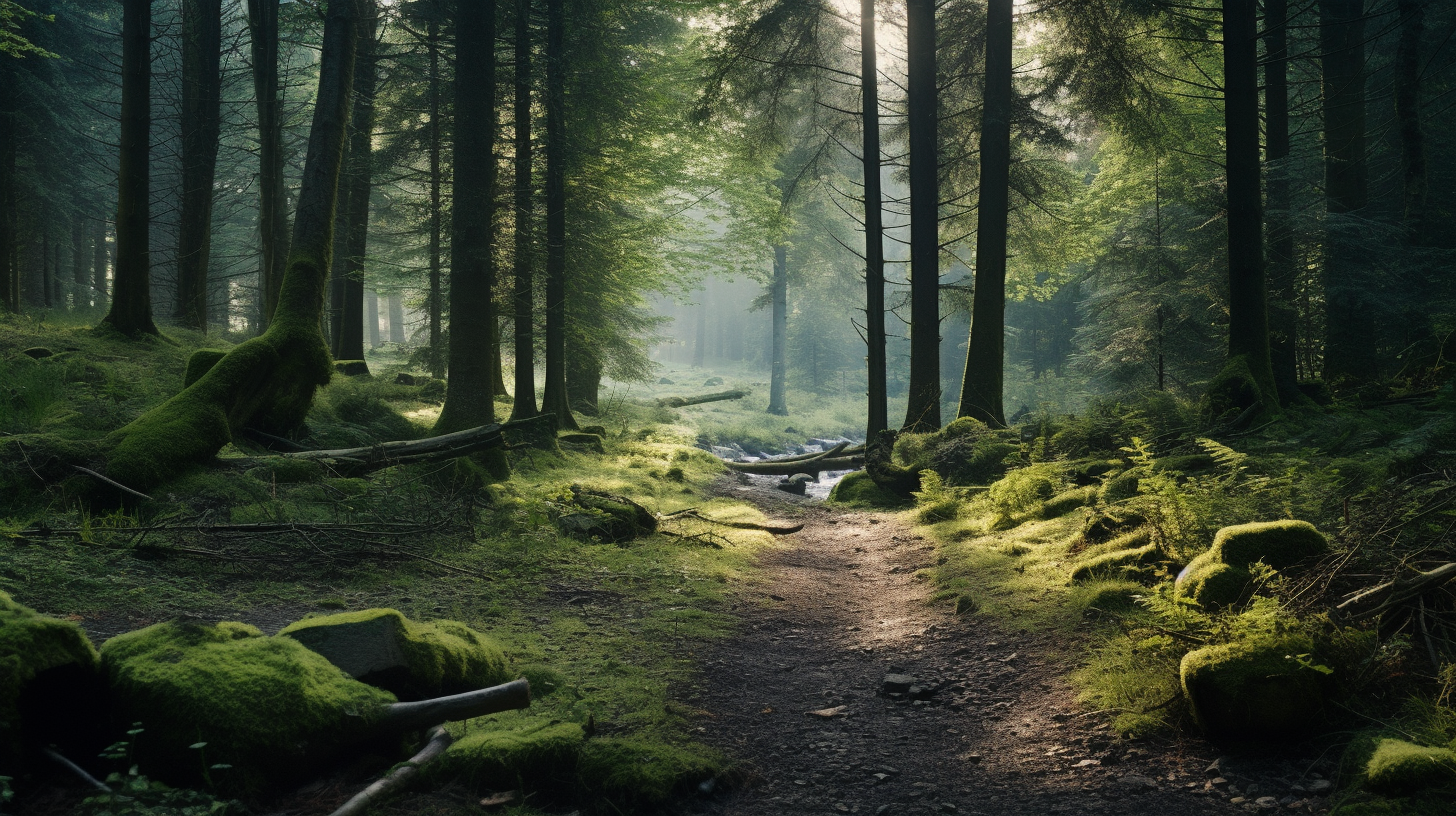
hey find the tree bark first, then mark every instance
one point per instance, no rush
(1248, 297)
(982, 386)
(470, 399)
(272, 192)
(1349, 312)
(554, 400)
(268, 382)
(877, 415)
(99, 258)
(778, 401)
(683, 402)
(9, 274)
(1283, 318)
(700, 331)
(371, 317)
(131, 296)
(583, 381)
(201, 128)
(524, 405)
(356, 186)
(435, 303)
(80, 266)
(1415, 189)
(923, 411)
(396, 319)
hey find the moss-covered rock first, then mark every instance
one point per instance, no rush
(1400, 767)
(1211, 583)
(533, 753)
(352, 368)
(636, 772)
(412, 660)
(268, 706)
(1120, 488)
(1254, 689)
(1134, 563)
(1280, 544)
(1090, 471)
(1067, 501)
(609, 518)
(859, 489)
(49, 682)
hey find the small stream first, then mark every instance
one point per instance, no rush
(817, 490)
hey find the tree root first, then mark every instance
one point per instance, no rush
(692, 512)
(399, 776)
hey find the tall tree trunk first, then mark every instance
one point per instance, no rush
(1248, 296)
(131, 296)
(923, 412)
(267, 382)
(778, 398)
(201, 128)
(99, 258)
(272, 192)
(9, 274)
(80, 266)
(554, 401)
(470, 399)
(1414, 185)
(435, 304)
(1283, 317)
(981, 386)
(358, 181)
(583, 382)
(700, 331)
(396, 319)
(47, 277)
(497, 365)
(877, 416)
(1349, 308)
(371, 317)
(524, 404)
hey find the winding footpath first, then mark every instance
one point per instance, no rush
(811, 697)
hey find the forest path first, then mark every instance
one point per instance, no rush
(1001, 734)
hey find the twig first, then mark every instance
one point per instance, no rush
(77, 770)
(399, 776)
(112, 482)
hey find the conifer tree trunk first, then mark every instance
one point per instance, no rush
(1248, 296)
(396, 319)
(1349, 311)
(470, 399)
(355, 187)
(1415, 188)
(981, 386)
(267, 382)
(923, 411)
(554, 400)
(1283, 318)
(371, 318)
(80, 266)
(99, 258)
(201, 127)
(700, 331)
(778, 398)
(9, 274)
(272, 193)
(523, 326)
(877, 416)
(47, 279)
(435, 302)
(131, 296)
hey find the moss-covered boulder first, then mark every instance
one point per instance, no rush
(1280, 544)
(412, 660)
(49, 682)
(533, 752)
(1399, 767)
(859, 490)
(1120, 488)
(1134, 563)
(1254, 689)
(1211, 583)
(1067, 501)
(267, 706)
(629, 772)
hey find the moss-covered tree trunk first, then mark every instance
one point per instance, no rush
(470, 400)
(358, 181)
(201, 126)
(554, 399)
(524, 406)
(778, 373)
(131, 296)
(273, 196)
(269, 382)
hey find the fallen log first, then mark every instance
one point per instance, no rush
(839, 449)
(832, 459)
(399, 776)
(682, 402)
(400, 717)
(1391, 594)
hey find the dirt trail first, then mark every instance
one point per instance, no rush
(1000, 734)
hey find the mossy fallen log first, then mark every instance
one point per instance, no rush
(683, 402)
(832, 459)
(50, 683)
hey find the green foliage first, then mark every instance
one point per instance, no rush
(1023, 490)
(1255, 688)
(1127, 564)
(936, 501)
(857, 489)
(133, 794)
(409, 659)
(266, 706)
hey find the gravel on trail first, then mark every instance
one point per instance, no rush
(845, 692)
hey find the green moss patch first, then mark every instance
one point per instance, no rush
(412, 660)
(1254, 689)
(48, 681)
(1130, 563)
(1212, 584)
(637, 772)
(1280, 544)
(857, 489)
(1400, 767)
(532, 754)
(267, 706)
(1064, 503)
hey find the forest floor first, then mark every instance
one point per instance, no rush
(798, 695)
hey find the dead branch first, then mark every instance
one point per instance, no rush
(683, 402)
(77, 770)
(1391, 594)
(118, 485)
(399, 717)
(399, 776)
(837, 450)
(737, 525)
